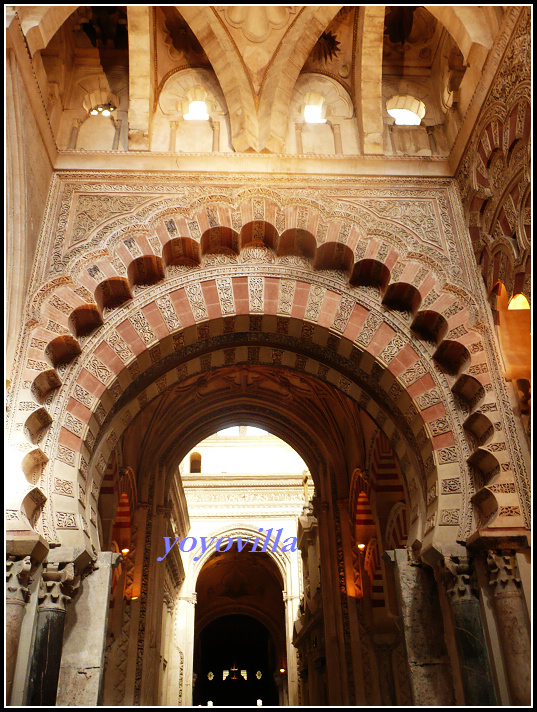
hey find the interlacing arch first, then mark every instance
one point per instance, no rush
(353, 311)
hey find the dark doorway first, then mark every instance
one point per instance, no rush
(234, 663)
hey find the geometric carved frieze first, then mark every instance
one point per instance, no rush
(451, 485)
(369, 329)
(225, 295)
(449, 517)
(168, 313)
(343, 314)
(286, 296)
(196, 300)
(142, 326)
(118, 345)
(64, 487)
(256, 293)
(426, 400)
(314, 303)
(99, 370)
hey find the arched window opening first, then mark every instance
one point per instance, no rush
(195, 463)
(406, 110)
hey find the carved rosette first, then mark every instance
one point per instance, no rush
(503, 573)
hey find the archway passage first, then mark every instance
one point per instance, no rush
(235, 659)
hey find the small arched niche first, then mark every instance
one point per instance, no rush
(333, 130)
(175, 126)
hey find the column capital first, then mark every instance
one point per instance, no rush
(503, 572)
(18, 578)
(458, 577)
(57, 585)
(193, 599)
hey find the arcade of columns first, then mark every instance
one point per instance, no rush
(350, 304)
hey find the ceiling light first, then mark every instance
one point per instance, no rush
(361, 546)
(103, 109)
(312, 114)
(125, 551)
(197, 111)
(404, 117)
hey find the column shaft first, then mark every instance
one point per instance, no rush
(47, 655)
(430, 676)
(17, 576)
(476, 672)
(511, 619)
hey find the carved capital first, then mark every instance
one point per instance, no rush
(503, 572)
(18, 578)
(458, 577)
(57, 586)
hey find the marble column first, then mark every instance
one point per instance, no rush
(476, 673)
(430, 676)
(18, 572)
(117, 124)
(512, 623)
(185, 607)
(173, 137)
(338, 145)
(56, 583)
(291, 674)
(84, 637)
(216, 136)
(298, 138)
(334, 640)
(73, 137)
(384, 645)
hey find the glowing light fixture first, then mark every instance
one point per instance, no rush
(125, 551)
(361, 546)
(519, 301)
(197, 111)
(103, 110)
(260, 703)
(282, 669)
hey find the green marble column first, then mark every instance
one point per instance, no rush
(476, 672)
(47, 653)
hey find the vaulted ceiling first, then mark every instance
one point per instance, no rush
(257, 66)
